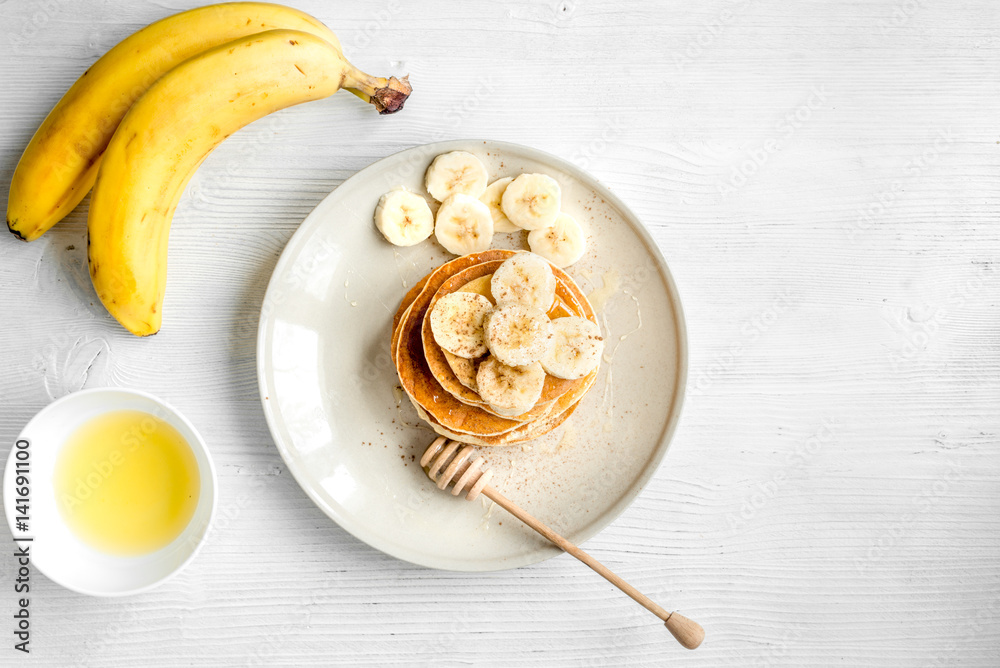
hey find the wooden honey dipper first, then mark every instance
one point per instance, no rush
(447, 462)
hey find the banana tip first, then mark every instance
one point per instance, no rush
(15, 231)
(390, 98)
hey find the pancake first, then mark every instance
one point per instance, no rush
(464, 369)
(446, 270)
(408, 299)
(526, 432)
(460, 366)
(414, 373)
(462, 392)
(451, 407)
(433, 353)
(423, 388)
(437, 360)
(439, 368)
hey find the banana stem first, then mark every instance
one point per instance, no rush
(388, 95)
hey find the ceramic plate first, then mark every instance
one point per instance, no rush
(352, 440)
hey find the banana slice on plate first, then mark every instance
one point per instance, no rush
(526, 279)
(510, 390)
(532, 201)
(577, 349)
(403, 217)
(517, 334)
(457, 323)
(492, 198)
(464, 369)
(464, 225)
(458, 172)
(562, 244)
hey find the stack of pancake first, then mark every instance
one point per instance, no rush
(442, 386)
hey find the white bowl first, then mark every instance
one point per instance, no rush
(55, 550)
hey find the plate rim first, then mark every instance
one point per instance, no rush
(355, 529)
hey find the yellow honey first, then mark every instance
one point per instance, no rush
(127, 483)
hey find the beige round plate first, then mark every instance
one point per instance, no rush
(350, 438)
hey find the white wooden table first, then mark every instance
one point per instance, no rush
(824, 181)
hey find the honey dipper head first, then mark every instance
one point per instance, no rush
(447, 462)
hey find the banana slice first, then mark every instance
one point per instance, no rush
(577, 350)
(517, 335)
(454, 173)
(510, 390)
(464, 225)
(526, 279)
(403, 217)
(464, 370)
(492, 198)
(457, 323)
(562, 244)
(531, 201)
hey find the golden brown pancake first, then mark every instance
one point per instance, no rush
(434, 354)
(465, 370)
(526, 432)
(420, 361)
(438, 362)
(411, 295)
(446, 270)
(414, 373)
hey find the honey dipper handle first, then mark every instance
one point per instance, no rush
(688, 633)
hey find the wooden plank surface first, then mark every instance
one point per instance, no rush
(823, 179)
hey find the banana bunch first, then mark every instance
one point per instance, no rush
(139, 122)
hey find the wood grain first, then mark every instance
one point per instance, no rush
(832, 495)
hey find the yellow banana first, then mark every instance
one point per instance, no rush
(170, 130)
(60, 163)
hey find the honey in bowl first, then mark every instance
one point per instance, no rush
(127, 483)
